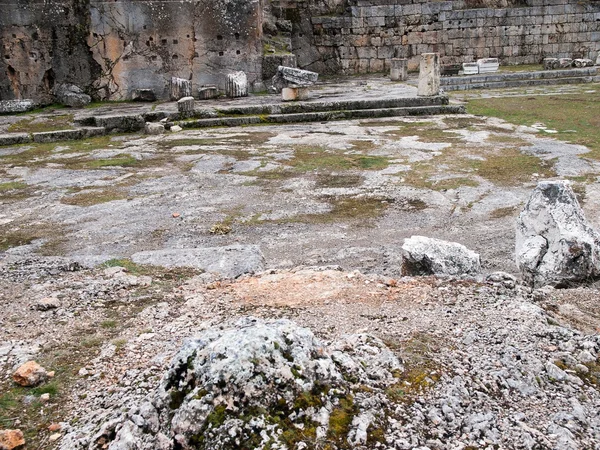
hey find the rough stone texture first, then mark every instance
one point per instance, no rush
(16, 106)
(115, 48)
(236, 85)
(289, 94)
(363, 37)
(429, 75)
(71, 95)
(488, 65)
(11, 439)
(30, 374)
(291, 77)
(231, 261)
(208, 92)
(582, 62)
(154, 128)
(91, 45)
(143, 95)
(272, 62)
(185, 106)
(133, 122)
(550, 63)
(427, 256)
(258, 382)
(554, 244)
(399, 69)
(180, 88)
(15, 138)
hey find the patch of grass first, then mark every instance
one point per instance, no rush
(360, 210)
(340, 419)
(421, 370)
(511, 167)
(503, 212)
(127, 264)
(311, 158)
(41, 124)
(579, 112)
(109, 324)
(220, 228)
(92, 342)
(35, 154)
(120, 160)
(11, 186)
(93, 197)
(507, 139)
(335, 180)
(156, 272)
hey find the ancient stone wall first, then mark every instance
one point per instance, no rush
(113, 48)
(359, 36)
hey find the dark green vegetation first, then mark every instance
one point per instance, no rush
(576, 116)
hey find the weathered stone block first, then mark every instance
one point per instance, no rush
(134, 122)
(429, 75)
(237, 85)
(185, 106)
(208, 92)
(16, 106)
(154, 128)
(71, 95)
(180, 88)
(143, 95)
(289, 76)
(399, 69)
(15, 138)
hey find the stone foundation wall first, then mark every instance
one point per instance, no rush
(360, 36)
(113, 48)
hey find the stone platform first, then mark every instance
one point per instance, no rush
(332, 99)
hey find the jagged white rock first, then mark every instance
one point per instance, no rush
(256, 383)
(554, 243)
(428, 256)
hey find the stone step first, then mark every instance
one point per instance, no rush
(333, 105)
(537, 75)
(51, 136)
(319, 116)
(522, 83)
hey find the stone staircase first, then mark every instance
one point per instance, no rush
(318, 111)
(521, 79)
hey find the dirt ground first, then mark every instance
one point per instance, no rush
(329, 205)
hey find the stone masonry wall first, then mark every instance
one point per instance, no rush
(359, 36)
(113, 48)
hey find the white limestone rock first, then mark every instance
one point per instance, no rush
(428, 256)
(255, 383)
(554, 243)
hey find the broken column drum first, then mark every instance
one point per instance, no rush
(236, 85)
(180, 88)
(429, 75)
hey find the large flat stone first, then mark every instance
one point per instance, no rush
(230, 262)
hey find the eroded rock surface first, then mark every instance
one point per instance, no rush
(428, 256)
(554, 243)
(262, 382)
